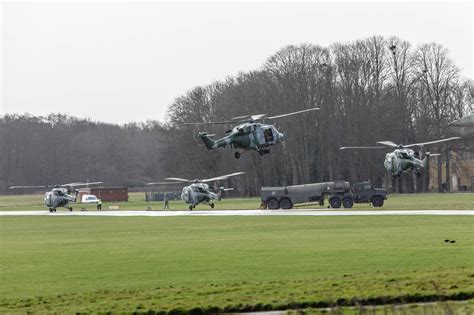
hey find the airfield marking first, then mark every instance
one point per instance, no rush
(308, 212)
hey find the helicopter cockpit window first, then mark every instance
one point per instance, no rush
(268, 134)
(200, 189)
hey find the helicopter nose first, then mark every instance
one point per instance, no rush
(281, 136)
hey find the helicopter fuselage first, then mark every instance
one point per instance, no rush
(56, 198)
(197, 193)
(247, 136)
(403, 160)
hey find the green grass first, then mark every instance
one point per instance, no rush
(101, 264)
(432, 201)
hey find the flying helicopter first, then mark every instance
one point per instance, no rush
(250, 134)
(198, 191)
(59, 195)
(403, 159)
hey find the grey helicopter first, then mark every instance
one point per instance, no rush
(59, 195)
(250, 134)
(403, 159)
(198, 191)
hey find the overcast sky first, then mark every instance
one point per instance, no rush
(122, 62)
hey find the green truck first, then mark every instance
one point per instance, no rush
(338, 193)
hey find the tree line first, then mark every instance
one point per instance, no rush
(367, 91)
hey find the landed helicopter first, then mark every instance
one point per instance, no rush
(249, 135)
(59, 195)
(198, 191)
(403, 159)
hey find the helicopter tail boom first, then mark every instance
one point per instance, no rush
(210, 144)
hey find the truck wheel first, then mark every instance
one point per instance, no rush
(286, 203)
(347, 202)
(273, 204)
(377, 201)
(335, 202)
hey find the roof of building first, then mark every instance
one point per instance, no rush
(468, 120)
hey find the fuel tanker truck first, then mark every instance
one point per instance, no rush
(338, 193)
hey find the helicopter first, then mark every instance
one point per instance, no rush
(198, 191)
(403, 159)
(59, 196)
(250, 134)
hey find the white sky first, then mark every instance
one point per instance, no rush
(121, 62)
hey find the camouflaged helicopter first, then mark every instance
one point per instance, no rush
(403, 159)
(198, 191)
(59, 196)
(250, 134)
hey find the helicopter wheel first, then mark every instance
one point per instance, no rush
(212, 206)
(237, 155)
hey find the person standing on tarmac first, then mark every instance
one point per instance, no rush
(166, 199)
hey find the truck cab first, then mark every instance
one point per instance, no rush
(365, 192)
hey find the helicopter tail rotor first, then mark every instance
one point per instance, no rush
(221, 191)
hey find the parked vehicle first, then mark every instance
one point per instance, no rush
(89, 199)
(338, 193)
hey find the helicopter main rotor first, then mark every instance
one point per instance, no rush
(252, 118)
(401, 146)
(178, 180)
(78, 184)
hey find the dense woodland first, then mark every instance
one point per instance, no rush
(368, 90)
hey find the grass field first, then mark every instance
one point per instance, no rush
(205, 264)
(448, 201)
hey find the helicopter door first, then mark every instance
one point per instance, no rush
(265, 136)
(268, 134)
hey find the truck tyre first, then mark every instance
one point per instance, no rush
(377, 201)
(347, 202)
(273, 204)
(286, 203)
(335, 202)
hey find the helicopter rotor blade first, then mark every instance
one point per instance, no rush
(379, 147)
(164, 183)
(294, 113)
(431, 142)
(39, 186)
(208, 123)
(81, 184)
(179, 179)
(388, 143)
(222, 177)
